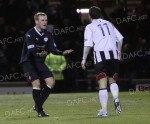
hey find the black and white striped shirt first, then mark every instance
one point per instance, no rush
(103, 36)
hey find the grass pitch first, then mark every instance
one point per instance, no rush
(75, 108)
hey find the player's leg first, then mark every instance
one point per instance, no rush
(33, 79)
(47, 88)
(36, 95)
(102, 82)
(43, 73)
(38, 99)
(47, 76)
(45, 92)
(114, 89)
(103, 96)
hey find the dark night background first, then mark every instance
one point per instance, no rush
(16, 17)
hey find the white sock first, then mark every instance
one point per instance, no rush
(49, 86)
(103, 96)
(114, 89)
(36, 88)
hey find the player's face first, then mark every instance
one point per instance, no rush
(42, 22)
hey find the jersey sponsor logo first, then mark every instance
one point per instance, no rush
(30, 46)
(46, 39)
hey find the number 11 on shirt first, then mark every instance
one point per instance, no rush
(101, 27)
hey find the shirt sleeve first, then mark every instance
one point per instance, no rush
(52, 48)
(88, 37)
(30, 44)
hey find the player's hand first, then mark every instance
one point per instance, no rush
(43, 53)
(66, 52)
(83, 64)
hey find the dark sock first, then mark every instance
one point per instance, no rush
(37, 99)
(45, 93)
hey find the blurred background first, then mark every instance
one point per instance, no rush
(67, 20)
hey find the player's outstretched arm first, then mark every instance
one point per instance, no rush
(85, 54)
(119, 46)
(66, 52)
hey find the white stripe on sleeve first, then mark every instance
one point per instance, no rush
(30, 46)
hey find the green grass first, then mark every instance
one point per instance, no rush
(75, 108)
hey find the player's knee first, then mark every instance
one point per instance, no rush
(101, 76)
(50, 82)
(115, 76)
(103, 83)
(113, 79)
(36, 83)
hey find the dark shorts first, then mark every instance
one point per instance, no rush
(36, 70)
(109, 67)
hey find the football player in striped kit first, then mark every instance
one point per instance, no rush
(107, 42)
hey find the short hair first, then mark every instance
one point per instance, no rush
(39, 14)
(95, 12)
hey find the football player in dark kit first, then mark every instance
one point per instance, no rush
(38, 42)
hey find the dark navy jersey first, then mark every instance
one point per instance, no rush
(35, 42)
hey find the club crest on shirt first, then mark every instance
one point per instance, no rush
(46, 39)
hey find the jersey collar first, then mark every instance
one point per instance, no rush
(94, 20)
(41, 34)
